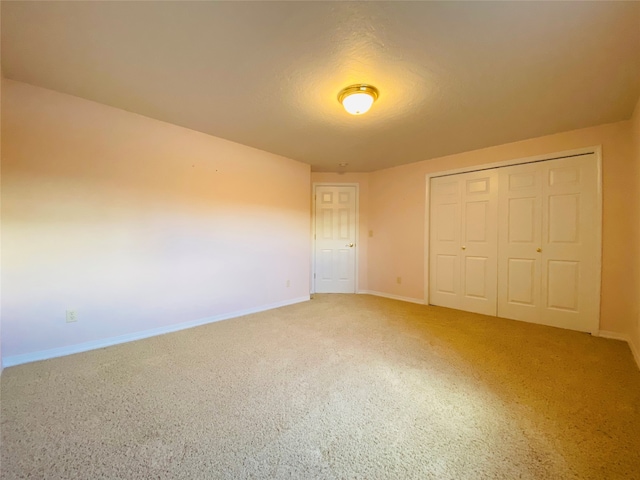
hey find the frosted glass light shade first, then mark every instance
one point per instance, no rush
(357, 103)
(357, 99)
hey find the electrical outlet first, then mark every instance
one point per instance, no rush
(288, 283)
(399, 280)
(72, 316)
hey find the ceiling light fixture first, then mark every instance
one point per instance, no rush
(357, 99)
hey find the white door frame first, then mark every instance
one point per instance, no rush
(597, 150)
(313, 230)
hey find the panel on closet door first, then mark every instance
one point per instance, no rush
(521, 281)
(445, 187)
(564, 218)
(462, 239)
(569, 175)
(563, 280)
(478, 185)
(519, 181)
(479, 243)
(570, 285)
(521, 220)
(476, 220)
(444, 241)
(447, 222)
(475, 277)
(520, 235)
(446, 273)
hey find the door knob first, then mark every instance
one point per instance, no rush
(538, 249)
(464, 248)
(349, 245)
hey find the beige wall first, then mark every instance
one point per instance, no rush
(1, 364)
(137, 224)
(635, 135)
(362, 179)
(397, 214)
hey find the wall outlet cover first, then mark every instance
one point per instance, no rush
(72, 315)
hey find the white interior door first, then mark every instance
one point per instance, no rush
(519, 238)
(463, 242)
(335, 239)
(548, 243)
(520, 242)
(444, 242)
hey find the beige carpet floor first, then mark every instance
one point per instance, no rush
(341, 387)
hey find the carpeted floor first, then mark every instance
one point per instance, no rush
(341, 387)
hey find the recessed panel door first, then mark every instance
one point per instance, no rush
(335, 227)
(444, 241)
(569, 254)
(520, 242)
(548, 259)
(519, 238)
(479, 243)
(463, 243)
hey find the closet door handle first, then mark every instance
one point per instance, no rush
(538, 249)
(464, 248)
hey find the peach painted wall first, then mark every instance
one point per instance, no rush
(635, 135)
(362, 179)
(137, 224)
(1, 364)
(397, 214)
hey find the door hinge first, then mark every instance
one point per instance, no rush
(314, 275)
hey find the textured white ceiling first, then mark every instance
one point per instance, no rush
(453, 76)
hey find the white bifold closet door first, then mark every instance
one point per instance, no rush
(463, 263)
(548, 261)
(519, 242)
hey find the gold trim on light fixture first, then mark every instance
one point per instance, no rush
(358, 88)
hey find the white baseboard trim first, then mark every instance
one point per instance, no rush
(625, 338)
(612, 335)
(391, 296)
(130, 337)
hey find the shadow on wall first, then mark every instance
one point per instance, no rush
(137, 224)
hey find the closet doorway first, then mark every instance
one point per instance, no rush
(519, 240)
